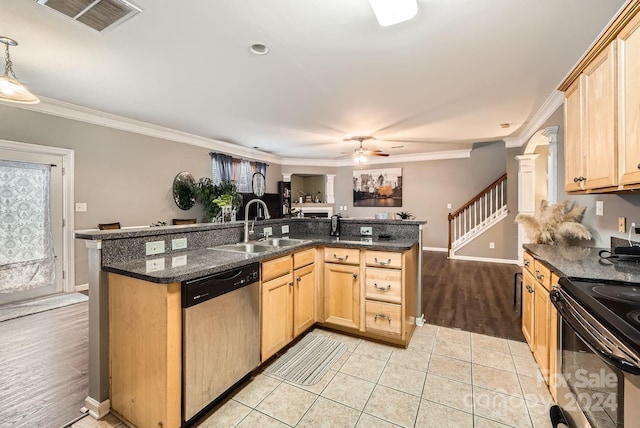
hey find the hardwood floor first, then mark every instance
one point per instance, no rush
(43, 367)
(472, 296)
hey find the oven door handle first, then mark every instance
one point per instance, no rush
(589, 339)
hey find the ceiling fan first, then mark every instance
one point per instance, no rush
(361, 152)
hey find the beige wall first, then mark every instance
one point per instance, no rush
(121, 176)
(428, 187)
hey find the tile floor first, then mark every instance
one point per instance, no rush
(446, 378)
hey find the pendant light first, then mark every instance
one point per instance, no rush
(10, 88)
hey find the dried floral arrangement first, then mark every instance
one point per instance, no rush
(555, 224)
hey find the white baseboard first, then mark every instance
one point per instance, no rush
(438, 249)
(97, 410)
(485, 259)
(82, 287)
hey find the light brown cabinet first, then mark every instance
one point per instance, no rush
(602, 118)
(629, 102)
(342, 295)
(288, 300)
(539, 318)
(371, 293)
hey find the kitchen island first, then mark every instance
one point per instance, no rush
(145, 310)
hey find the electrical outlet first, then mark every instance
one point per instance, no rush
(267, 231)
(492, 245)
(179, 244)
(599, 208)
(285, 229)
(155, 247)
(622, 224)
(81, 207)
(366, 231)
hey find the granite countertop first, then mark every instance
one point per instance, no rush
(191, 264)
(584, 262)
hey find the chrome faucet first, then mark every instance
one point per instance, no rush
(246, 216)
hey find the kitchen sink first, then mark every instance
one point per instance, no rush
(281, 242)
(243, 248)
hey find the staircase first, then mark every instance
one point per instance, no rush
(483, 211)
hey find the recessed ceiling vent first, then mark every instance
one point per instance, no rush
(97, 14)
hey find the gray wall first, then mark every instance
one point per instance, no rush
(615, 205)
(428, 187)
(504, 234)
(121, 176)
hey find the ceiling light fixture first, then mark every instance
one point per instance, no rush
(10, 88)
(390, 12)
(259, 49)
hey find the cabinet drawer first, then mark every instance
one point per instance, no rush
(383, 284)
(349, 256)
(304, 258)
(542, 274)
(384, 259)
(276, 267)
(383, 318)
(528, 261)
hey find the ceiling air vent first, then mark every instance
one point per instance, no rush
(97, 14)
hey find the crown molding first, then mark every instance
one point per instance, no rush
(96, 117)
(551, 104)
(87, 115)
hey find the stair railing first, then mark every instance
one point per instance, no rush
(477, 214)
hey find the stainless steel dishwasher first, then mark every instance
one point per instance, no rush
(221, 336)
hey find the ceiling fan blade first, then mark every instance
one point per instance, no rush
(378, 154)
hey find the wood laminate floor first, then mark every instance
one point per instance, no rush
(471, 296)
(43, 367)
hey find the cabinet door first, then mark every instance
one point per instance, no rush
(600, 136)
(304, 299)
(541, 329)
(277, 314)
(527, 306)
(629, 102)
(573, 156)
(342, 295)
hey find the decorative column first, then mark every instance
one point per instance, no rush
(551, 133)
(526, 192)
(328, 188)
(97, 402)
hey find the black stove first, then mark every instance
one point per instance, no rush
(614, 304)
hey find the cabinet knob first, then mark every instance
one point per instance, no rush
(355, 276)
(291, 284)
(578, 179)
(639, 166)
(526, 263)
(299, 279)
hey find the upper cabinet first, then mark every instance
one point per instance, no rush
(602, 111)
(629, 102)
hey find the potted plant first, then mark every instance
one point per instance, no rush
(405, 215)
(214, 196)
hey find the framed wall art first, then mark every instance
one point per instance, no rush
(377, 187)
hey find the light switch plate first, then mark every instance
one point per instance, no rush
(366, 231)
(178, 261)
(267, 231)
(81, 207)
(600, 208)
(155, 247)
(285, 229)
(179, 244)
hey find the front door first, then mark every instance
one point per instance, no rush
(31, 228)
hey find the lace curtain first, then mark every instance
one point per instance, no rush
(26, 242)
